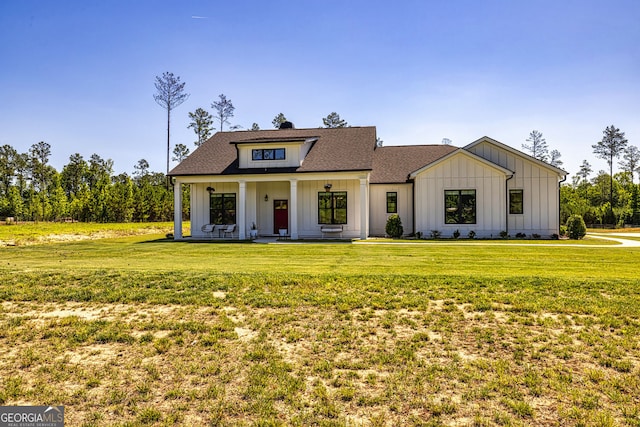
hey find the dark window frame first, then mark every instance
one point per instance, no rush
(258, 154)
(460, 206)
(332, 207)
(392, 202)
(223, 208)
(516, 207)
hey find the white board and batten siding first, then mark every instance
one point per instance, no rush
(308, 226)
(539, 184)
(460, 172)
(260, 211)
(200, 203)
(378, 214)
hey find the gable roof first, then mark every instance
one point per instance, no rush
(464, 152)
(512, 150)
(393, 164)
(336, 149)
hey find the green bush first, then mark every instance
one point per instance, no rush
(563, 230)
(394, 226)
(576, 228)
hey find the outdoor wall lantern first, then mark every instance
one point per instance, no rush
(266, 197)
(327, 187)
(211, 190)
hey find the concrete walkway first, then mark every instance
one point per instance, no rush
(614, 237)
(618, 237)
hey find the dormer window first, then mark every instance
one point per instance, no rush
(268, 154)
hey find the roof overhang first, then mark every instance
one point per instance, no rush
(512, 150)
(299, 140)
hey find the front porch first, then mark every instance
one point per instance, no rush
(261, 206)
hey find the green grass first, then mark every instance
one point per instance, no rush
(47, 232)
(136, 330)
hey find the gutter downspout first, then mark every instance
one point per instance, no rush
(506, 195)
(559, 185)
(413, 203)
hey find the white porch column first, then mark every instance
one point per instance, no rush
(242, 233)
(293, 209)
(364, 208)
(177, 210)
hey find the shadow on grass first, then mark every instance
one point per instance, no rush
(214, 241)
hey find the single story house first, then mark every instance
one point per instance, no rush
(313, 183)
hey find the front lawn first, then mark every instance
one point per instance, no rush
(139, 331)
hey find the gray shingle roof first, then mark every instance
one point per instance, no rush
(339, 149)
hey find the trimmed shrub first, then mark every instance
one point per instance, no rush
(394, 226)
(576, 228)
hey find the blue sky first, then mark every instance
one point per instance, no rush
(79, 74)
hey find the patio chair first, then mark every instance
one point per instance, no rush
(207, 229)
(229, 229)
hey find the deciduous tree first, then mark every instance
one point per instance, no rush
(8, 156)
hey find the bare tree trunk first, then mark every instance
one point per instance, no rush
(168, 144)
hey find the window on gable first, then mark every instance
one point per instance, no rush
(392, 202)
(516, 202)
(460, 206)
(268, 154)
(332, 207)
(222, 208)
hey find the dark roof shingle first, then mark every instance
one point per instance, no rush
(338, 149)
(393, 164)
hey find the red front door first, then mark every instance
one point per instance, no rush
(280, 215)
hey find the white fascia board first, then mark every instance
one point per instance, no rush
(513, 151)
(462, 152)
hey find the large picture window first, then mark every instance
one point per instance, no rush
(222, 208)
(460, 206)
(332, 207)
(268, 154)
(516, 203)
(392, 202)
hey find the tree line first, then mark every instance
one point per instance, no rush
(88, 190)
(605, 198)
(85, 190)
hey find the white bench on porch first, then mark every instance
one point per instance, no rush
(331, 229)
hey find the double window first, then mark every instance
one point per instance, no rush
(222, 208)
(268, 154)
(460, 206)
(392, 202)
(332, 207)
(516, 202)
